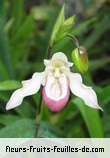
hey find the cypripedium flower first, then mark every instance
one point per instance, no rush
(57, 81)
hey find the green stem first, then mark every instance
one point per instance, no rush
(41, 109)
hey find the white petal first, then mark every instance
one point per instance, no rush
(84, 92)
(30, 87)
(46, 62)
(70, 64)
(60, 56)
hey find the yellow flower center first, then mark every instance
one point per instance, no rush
(58, 67)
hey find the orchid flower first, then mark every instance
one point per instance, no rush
(57, 81)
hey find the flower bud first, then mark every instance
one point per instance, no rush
(80, 59)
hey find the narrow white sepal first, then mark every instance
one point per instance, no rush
(30, 87)
(84, 92)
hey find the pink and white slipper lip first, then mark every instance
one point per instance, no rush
(53, 105)
(54, 101)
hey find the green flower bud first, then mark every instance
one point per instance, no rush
(80, 59)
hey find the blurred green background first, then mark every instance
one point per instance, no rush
(25, 30)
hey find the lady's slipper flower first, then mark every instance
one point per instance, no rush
(57, 81)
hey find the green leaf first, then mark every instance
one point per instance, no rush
(9, 85)
(99, 63)
(68, 112)
(82, 27)
(21, 39)
(26, 110)
(3, 71)
(62, 27)
(8, 119)
(91, 118)
(23, 128)
(8, 25)
(25, 30)
(104, 95)
(65, 29)
(97, 33)
(47, 130)
(5, 48)
(57, 26)
(17, 13)
(65, 43)
(2, 8)
(68, 24)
